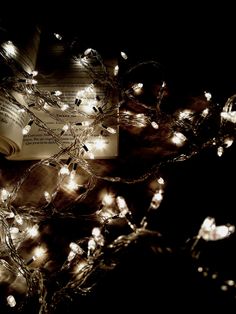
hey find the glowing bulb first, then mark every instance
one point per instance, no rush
(161, 181)
(4, 194)
(33, 231)
(71, 256)
(58, 36)
(100, 144)
(137, 88)
(230, 283)
(96, 232)
(208, 96)
(57, 93)
(14, 231)
(205, 112)
(185, 114)
(220, 151)
(156, 199)
(72, 185)
(11, 301)
(107, 200)
(123, 208)
(65, 128)
(21, 110)
(87, 51)
(74, 247)
(229, 116)
(178, 138)
(228, 142)
(154, 125)
(64, 170)
(123, 55)
(109, 129)
(91, 245)
(9, 49)
(47, 196)
(116, 70)
(64, 107)
(34, 73)
(210, 232)
(27, 128)
(39, 252)
(19, 219)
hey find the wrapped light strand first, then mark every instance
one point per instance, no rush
(93, 247)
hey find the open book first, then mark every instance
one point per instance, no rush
(55, 73)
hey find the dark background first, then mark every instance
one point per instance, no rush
(195, 46)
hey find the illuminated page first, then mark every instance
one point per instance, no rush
(79, 102)
(38, 144)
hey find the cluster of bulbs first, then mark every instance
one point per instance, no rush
(86, 255)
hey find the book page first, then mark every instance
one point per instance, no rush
(70, 78)
(38, 144)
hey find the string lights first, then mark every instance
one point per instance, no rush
(87, 257)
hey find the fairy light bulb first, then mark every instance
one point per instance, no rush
(87, 51)
(178, 139)
(74, 250)
(98, 237)
(58, 36)
(56, 93)
(107, 200)
(123, 208)
(123, 55)
(11, 301)
(65, 128)
(137, 88)
(208, 96)
(72, 185)
(205, 112)
(19, 219)
(4, 194)
(96, 232)
(64, 169)
(210, 232)
(39, 252)
(33, 231)
(14, 231)
(34, 73)
(156, 199)
(9, 49)
(116, 70)
(220, 151)
(64, 107)
(88, 152)
(161, 181)
(27, 128)
(228, 142)
(154, 125)
(91, 246)
(83, 123)
(185, 114)
(221, 232)
(109, 129)
(47, 196)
